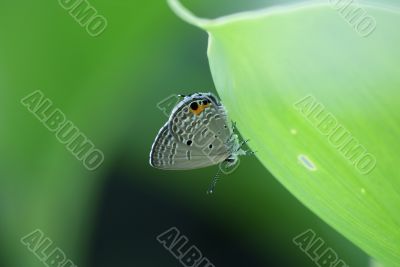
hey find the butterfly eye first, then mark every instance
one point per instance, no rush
(194, 106)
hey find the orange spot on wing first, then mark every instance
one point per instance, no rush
(200, 109)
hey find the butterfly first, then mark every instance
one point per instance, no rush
(197, 134)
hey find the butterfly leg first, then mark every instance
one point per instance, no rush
(233, 126)
(214, 182)
(241, 144)
(233, 132)
(249, 152)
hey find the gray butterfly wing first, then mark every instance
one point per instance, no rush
(202, 128)
(169, 154)
(191, 141)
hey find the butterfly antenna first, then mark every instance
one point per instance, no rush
(214, 182)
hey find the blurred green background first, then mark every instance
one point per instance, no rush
(109, 87)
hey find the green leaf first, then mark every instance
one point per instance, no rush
(263, 62)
